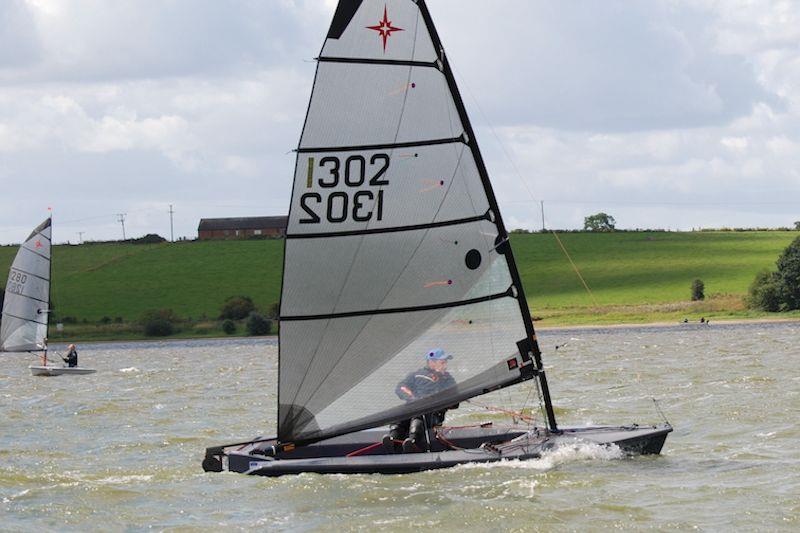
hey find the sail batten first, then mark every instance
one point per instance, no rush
(373, 231)
(27, 273)
(373, 61)
(372, 312)
(389, 146)
(25, 313)
(395, 247)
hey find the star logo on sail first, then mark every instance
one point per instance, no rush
(38, 244)
(385, 28)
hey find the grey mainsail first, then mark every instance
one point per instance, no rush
(395, 246)
(27, 295)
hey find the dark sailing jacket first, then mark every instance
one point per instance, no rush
(72, 358)
(424, 382)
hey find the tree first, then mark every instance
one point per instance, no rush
(159, 322)
(599, 222)
(698, 290)
(797, 225)
(789, 275)
(765, 292)
(158, 327)
(258, 325)
(779, 291)
(229, 326)
(237, 307)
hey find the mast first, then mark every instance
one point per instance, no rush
(49, 292)
(503, 245)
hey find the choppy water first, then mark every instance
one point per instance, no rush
(120, 450)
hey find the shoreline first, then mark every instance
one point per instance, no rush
(539, 329)
(661, 325)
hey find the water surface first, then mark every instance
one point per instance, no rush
(120, 450)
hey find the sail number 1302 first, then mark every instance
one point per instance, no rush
(360, 205)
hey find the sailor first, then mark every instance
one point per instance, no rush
(72, 356)
(428, 380)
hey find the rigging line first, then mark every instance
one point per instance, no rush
(525, 405)
(524, 183)
(355, 256)
(658, 409)
(494, 134)
(516, 414)
(575, 267)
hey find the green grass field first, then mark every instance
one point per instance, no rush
(634, 277)
(192, 278)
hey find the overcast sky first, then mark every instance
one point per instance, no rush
(665, 114)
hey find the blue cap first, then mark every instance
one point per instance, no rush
(437, 354)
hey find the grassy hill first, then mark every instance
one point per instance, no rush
(634, 277)
(192, 278)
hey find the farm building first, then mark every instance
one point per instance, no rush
(241, 228)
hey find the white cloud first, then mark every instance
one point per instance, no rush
(665, 114)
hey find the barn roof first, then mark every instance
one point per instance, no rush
(210, 224)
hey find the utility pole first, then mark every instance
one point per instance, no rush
(121, 220)
(541, 203)
(80, 236)
(171, 232)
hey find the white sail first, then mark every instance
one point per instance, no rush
(27, 295)
(395, 246)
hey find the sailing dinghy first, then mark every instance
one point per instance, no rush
(26, 304)
(396, 248)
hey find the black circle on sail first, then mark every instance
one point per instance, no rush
(473, 259)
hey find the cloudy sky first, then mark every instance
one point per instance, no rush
(665, 114)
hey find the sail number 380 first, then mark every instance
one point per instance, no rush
(360, 205)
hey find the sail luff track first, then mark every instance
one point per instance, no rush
(523, 302)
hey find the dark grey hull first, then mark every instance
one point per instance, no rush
(362, 452)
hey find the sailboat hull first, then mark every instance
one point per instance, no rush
(363, 452)
(60, 371)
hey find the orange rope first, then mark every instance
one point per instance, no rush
(575, 268)
(515, 414)
(364, 450)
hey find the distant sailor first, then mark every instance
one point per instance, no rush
(72, 356)
(429, 380)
